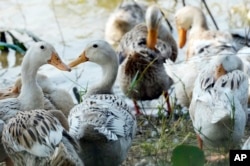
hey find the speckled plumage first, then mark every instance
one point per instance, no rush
(105, 127)
(135, 40)
(137, 60)
(123, 19)
(151, 76)
(219, 104)
(184, 73)
(31, 137)
(102, 123)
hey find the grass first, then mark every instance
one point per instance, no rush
(157, 137)
(156, 148)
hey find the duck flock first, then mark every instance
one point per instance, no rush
(41, 125)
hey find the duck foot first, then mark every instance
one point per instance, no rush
(137, 108)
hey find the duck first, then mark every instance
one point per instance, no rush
(35, 137)
(192, 19)
(183, 81)
(241, 37)
(143, 51)
(184, 72)
(244, 55)
(103, 122)
(55, 98)
(3, 156)
(127, 15)
(31, 96)
(7, 93)
(218, 108)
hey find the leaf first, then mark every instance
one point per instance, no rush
(187, 155)
(12, 46)
(3, 39)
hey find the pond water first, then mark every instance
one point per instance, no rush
(69, 24)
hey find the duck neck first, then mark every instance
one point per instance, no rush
(31, 95)
(107, 81)
(199, 23)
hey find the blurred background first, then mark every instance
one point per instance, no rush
(68, 24)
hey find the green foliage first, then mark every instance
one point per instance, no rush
(187, 155)
(12, 46)
(17, 43)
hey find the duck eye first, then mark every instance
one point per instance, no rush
(42, 47)
(95, 45)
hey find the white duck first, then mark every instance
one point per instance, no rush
(192, 19)
(219, 102)
(55, 98)
(184, 73)
(103, 122)
(35, 137)
(31, 96)
(244, 55)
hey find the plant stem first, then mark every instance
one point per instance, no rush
(183, 3)
(209, 12)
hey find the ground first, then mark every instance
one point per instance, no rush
(157, 137)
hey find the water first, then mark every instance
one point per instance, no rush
(69, 24)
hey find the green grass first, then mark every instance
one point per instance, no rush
(157, 137)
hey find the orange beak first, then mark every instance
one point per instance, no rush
(56, 61)
(81, 59)
(152, 38)
(15, 89)
(182, 37)
(220, 71)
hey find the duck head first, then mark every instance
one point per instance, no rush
(186, 18)
(153, 20)
(45, 54)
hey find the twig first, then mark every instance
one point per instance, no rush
(3, 73)
(247, 32)
(59, 27)
(183, 3)
(150, 123)
(121, 3)
(209, 12)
